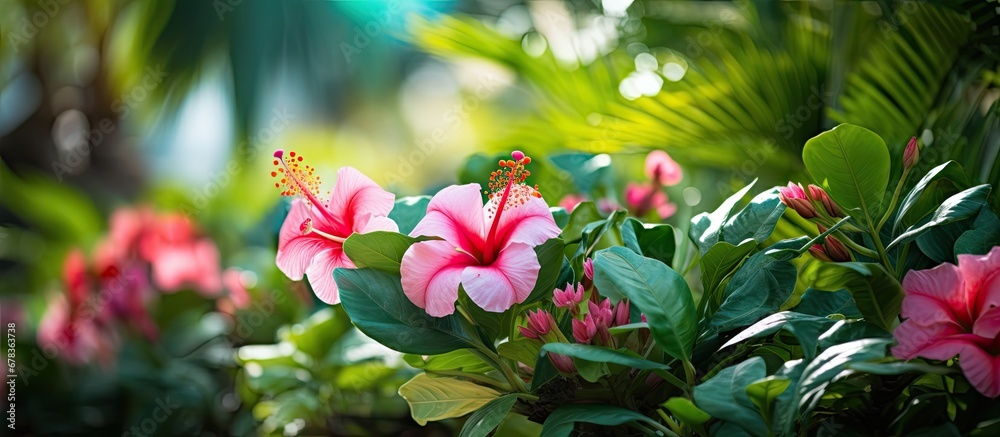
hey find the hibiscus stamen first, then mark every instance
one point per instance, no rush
(306, 228)
(297, 179)
(508, 183)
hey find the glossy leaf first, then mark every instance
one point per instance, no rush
(805, 328)
(724, 396)
(824, 303)
(984, 235)
(765, 391)
(756, 221)
(600, 354)
(376, 304)
(381, 250)
(853, 164)
(484, 420)
(686, 411)
(524, 350)
(561, 422)
(408, 211)
(877, 294)
(707, 228)
(720, 261)
(656, 290)
(950, 170)
(757, 289)
(652, 240)
(961, 206)
(550, 258)
(433, 399)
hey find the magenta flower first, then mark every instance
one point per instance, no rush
(643, 198)
(911, 154)
(569, 297)
(955, 310)
(820, 198)
(487, 249)
(588, 268)
(660, 167)
(793, 196)
(540, 323)
(563, 363)
(311, 240)
(584, 330)
(621, 313)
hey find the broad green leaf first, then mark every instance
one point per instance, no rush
(984, 235)
(805, 328)
(877, 294)
(524, 350)
(686, 411)
(621, 329)
(811, 378)
(757, 289)
(317, 334)
(961, 206)
(484, 420)
(853, 163)
(657, 291)
(707, 228)
(550, 258)
(584, 214)
(381, 250)
(432, 399)
(560, 215)
(561, 422)
(901, 367)
(653, 240)
(950, 170)
(720, 261)
(586, 169)
(599, 354)
(825, 303)
(375, 302)
(724, 396)
(408, 211)
(763, 393)
(756, 221)
(462, 360)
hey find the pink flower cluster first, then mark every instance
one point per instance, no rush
(815, 204)
(662, 171)
(142, 251)
(954, 310)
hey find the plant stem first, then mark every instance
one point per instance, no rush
(497, 362)
(473, 376)
(892, 203)
(855, 246)
(670, 422)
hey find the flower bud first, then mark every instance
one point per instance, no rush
(817, 252)
(539, 324)
(837, 251)
(793, 196)
(621, 313)
(588, 269)
(584, 330)
(601, 312)
(568, 298)
(819, 196)
(912, 154)
(563, 363)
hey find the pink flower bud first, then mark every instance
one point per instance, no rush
(837, 251)
(819, 196)
(539, 324)
(912, 153)
(621, 313)
(588, 269)
(817, 252)
(563, 363)
(584, 330)
(569, 297)
(793, 196)
(601, 312)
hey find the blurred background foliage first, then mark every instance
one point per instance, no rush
(179, 104)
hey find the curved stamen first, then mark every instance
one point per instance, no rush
(304, 188)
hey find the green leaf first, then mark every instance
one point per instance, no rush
(462, 360)
(950, 170)
(825, 303)
(657, 291)
(362, 377)
(686, 411)
(561, 422)
(984, 235)
(584, 214)
(621, 329)
(524, 350)
(653, 240)
(763, 393)
(756, 221)
(877, 294)
(375, 302)
(550, 258)
(853, 163)
(586, 169)
(724, 396)
(805, 328)
(484, 420)
(707, 229)
(433, 399)
(408, 211)
(958, 207)
(317, 334)
(720, 261)
(757, 289)
(381, 250)
(600, 354)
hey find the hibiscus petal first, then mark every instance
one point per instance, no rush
(936, 342)
(988, 324)
(454, 214)
(377, 223)
(320, 273)
(926, 310)
(943, 283)
(530, 223)
(430, 273)
(354, 196)
(982, 370)
(507, 281)
(981, 279)
(296, 251)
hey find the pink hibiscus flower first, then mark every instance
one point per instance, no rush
(487, 249)
(643, 198)
(953, 310)
(660, 167)
(311, 240)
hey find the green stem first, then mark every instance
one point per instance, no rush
(497, 362)
(881, 253)
(666, 431)
(670, 422)
(892, 203)
(855, 246)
